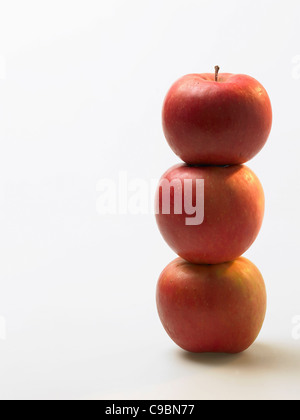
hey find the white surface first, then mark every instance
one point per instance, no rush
(81, 90)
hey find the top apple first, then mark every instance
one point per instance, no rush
(217, 119)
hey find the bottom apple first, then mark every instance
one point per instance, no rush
(212, 308)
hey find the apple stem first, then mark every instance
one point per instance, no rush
(217, 69)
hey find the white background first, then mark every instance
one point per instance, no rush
(81, 89)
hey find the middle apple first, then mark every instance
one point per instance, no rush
(209, 214)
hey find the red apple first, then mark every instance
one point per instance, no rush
(233, 212)
(212, 308)
(215, 119)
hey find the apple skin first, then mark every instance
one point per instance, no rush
(212, 308)
(216, 123)
(233, 213)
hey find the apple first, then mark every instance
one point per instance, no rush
(212, 308)
(233, 211)
(216, 119)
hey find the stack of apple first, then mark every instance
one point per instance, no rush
(211, 299)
